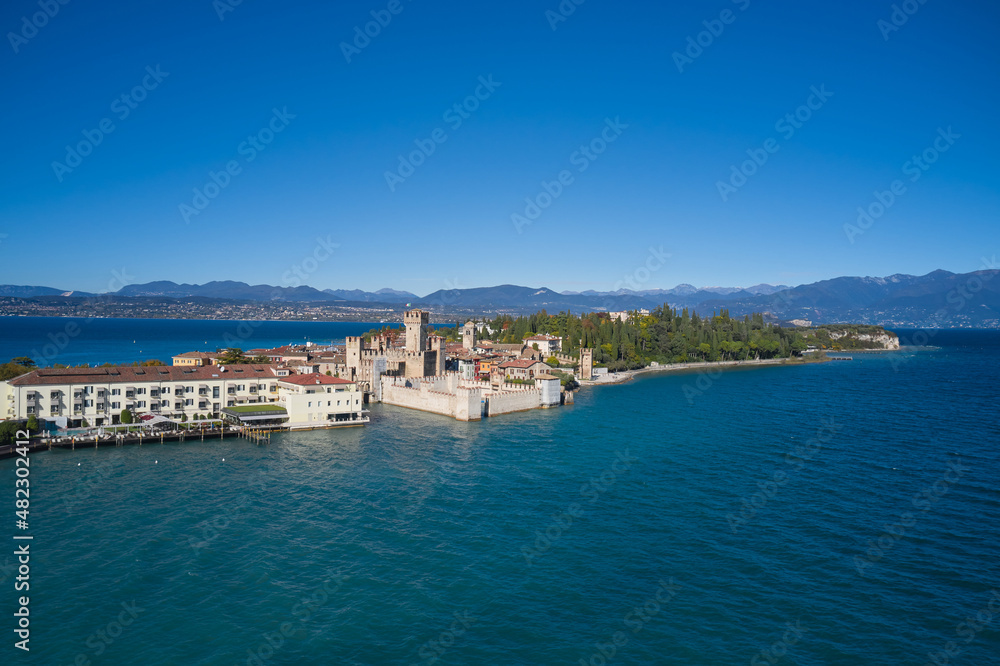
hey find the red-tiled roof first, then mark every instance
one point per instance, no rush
(519, 363)
(198, 355)
(313, 379)
(128, 374)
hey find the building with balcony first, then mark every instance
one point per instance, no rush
(68, 396)
(320, 401)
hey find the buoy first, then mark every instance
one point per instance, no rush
(156, 462)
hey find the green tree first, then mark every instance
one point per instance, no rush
(33, 424)
(12, 370)
(126, 416)
(8, 432)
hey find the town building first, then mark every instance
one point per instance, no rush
(547, 344)
(68, 396)
(195, 359)
(624, 315)
(523, 369)
(320, 401)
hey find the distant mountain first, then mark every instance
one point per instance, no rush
(231, 290)
(684, 295)
(226, 289)
(380, 296)
(18, 291)
(766, 288)
(938, 299)
(510, 297)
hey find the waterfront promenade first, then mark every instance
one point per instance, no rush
(91, 441)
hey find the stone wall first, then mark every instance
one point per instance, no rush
(461, 399)
(513, 401)
(440, 395)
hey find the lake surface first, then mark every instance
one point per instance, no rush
(837, 513)
(72, 341)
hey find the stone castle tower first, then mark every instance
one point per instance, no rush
(353, 347)
(416, 322)
(468, 335)
(586, 366)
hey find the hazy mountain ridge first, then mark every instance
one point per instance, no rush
(940, 298)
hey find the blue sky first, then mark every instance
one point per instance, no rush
(321, 180)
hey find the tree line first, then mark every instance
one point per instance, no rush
(665, 335)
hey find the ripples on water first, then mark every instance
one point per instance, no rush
(416, 518)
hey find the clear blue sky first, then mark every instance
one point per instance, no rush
(449, 223)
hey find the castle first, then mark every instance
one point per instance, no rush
(366, 365)
(414, 375)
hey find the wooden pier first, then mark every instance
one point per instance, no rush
(256, 435)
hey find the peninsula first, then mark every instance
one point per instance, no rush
(467, 371)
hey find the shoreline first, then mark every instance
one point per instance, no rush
(628, 375)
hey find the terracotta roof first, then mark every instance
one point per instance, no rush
(131, 374)
(198, 355)
(509, 347)
(313, 379)
(520, 363)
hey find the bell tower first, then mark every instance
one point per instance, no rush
(468, 335)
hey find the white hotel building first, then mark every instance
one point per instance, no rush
(67, 396)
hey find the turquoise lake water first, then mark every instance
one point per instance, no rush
(72, 341)
(838, 513)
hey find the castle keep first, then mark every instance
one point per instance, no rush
(414, 375)
(366, 365)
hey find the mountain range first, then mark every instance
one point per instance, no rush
(940, 298)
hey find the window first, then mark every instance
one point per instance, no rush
(116, 405)
(215, 392)
(188, 389)
(310, 403)
(188, 402)
(116, 391)
(141, 403)
(141, 391)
